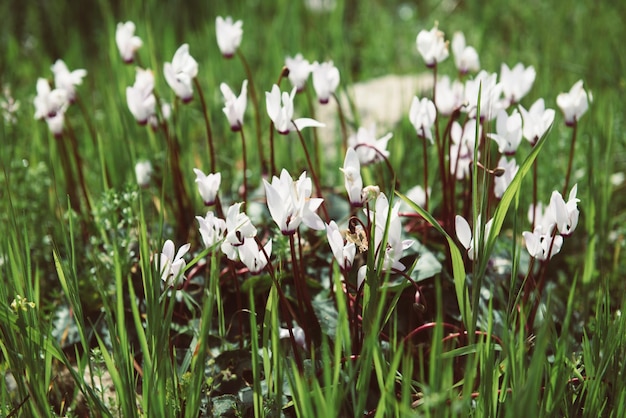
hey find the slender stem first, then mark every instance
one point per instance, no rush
(245, 169)
(257, 110)
(571, 157)
(316, 181)
(67, 171)
(207, 124)
(94, 139)
(79, 165)
(272, 160)
(534, 214)
(316, 141)
(425, 157)
(342, 122)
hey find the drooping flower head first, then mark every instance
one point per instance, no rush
(536, 121)
(490, 91)
(344, 252)
(66, 79)
(432, 46)
(253, 257)
(502, 182)
(170, 266)
(325, 80)
(126, 41)
(469, 241)
(422, 115)
(229, 35)
(140, 97)
(368, 148)
(50, 105)
(465, 57)
(462, 147)
(180, 73)
(290, 203)
(574, 103)
(508, 134)
(352, 178)
(238, 228)
(540, 245)
(208, 185)
(299, 70)
(212, 229)
(516, 82)
(235, 106)
(450, 95)
(280, 110)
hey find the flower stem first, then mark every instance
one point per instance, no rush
(257, 110)
(425, 157)
(571, 157)
(207, 124)
(79, 165)
(245, 169)
(342, 122)
(316, 180)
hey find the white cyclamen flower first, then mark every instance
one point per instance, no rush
(143, 173)
(464, 234)
(229, 35)
(352, 178)
(208, 185)
(180, 73)
(450, 95)
(343, 251)
(574, 103)
(508, 134)
(539, 244)
(368, 148)
(290, 203)
(325, 80)
(465, 57)
(432, 46)
(299, 70)
(238, 228)
(490, 91)
(462, 147)
(171, 266)
(50, 105)
(517, 81)
(66, 79)
(536, 121)
(126, 41)
(140, 97)
(280, 110)
(211, 229)
(253, 257)
(235, 107)
(422, 114)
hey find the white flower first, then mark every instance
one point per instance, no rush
(537, 120)
(432, 46)
(352, 178)
(490, 91)
(180, 73)
(140, 97)
(208, 186)
(143, 173)
(465, 57)
(508, 132)
(254, 258)
(299, 70)
(565, 214)
(211, 229)
(280, 110)
(126, 41)
(464, 234)
(502, 182)
(290, 203)
(171, 266)
(325, 80)
(539, 244)
(66, 80)
(517, 81)
(229, 35)
(50, 105)
(450, 95)
(368, 148)
(573, 104)
(343, 252)
(238, 227)
(422, 114)
(462, 147)
(235, 107)
(386, 224)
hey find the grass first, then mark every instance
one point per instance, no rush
(88, 329)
